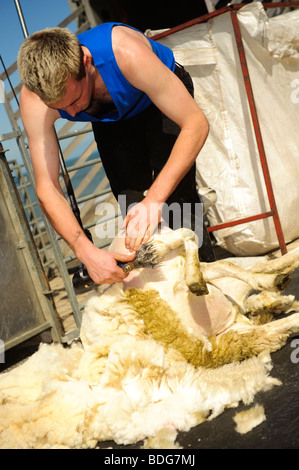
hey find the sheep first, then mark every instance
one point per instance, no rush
(161, 352)
(212, 300)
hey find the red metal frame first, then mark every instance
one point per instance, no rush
(273, 212)
(208, 16)
(258, 135)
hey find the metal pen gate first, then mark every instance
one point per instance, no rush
(26, 303)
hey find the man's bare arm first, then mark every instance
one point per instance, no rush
(146, 72)
(38, 121)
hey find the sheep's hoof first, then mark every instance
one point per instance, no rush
(281, 281)
(147, 255)
(198, 288)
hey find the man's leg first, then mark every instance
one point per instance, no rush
(123, 150)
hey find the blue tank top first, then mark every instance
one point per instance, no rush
(128, 100)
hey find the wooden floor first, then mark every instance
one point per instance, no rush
(63, 305)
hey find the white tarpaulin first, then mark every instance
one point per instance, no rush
(229, 161)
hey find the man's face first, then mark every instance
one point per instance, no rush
(77, 97)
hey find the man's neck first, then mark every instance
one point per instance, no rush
(101, 101)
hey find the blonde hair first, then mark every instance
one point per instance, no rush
(47, 59)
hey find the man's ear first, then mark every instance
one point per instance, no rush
(87, 61)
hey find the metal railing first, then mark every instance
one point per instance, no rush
(53, 251)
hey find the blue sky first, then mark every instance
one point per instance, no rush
(38, 14)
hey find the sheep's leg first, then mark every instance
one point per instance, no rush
(285, 263)
(258, 281)
(152, 252)
(274, 335)
(255, 339)
(193, 275)
(266, 301)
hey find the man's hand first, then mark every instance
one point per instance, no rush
(140, 223)
(102, 265)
